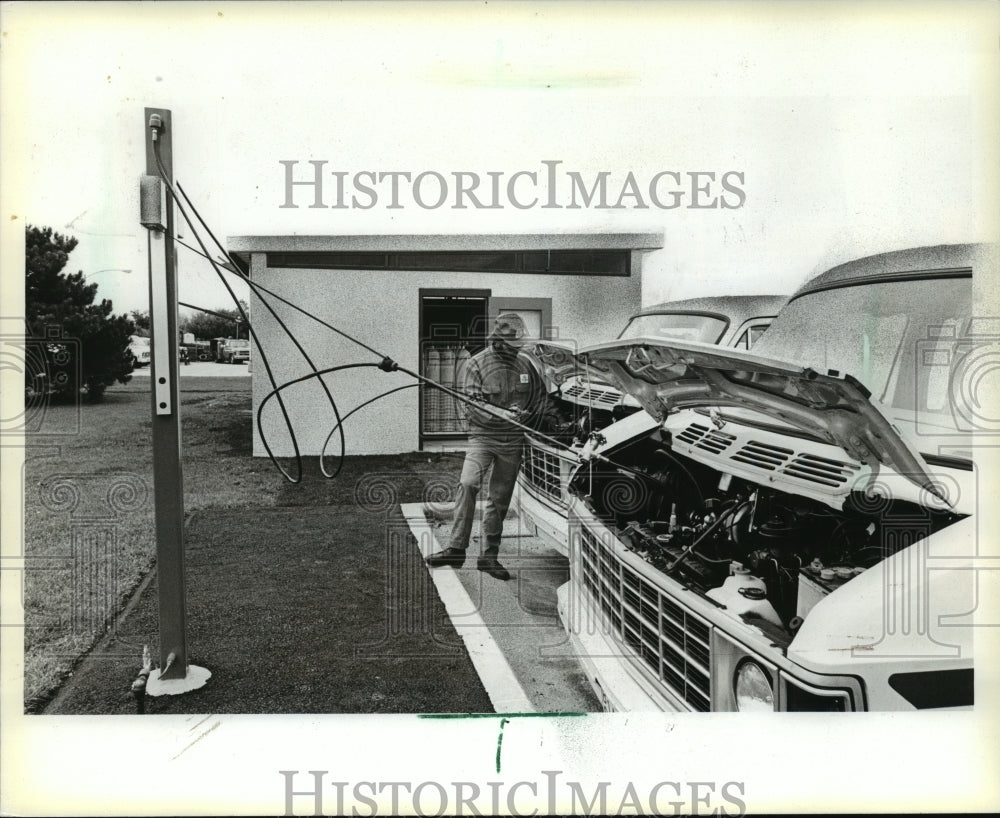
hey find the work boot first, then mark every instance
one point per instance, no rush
(454, 557)
(488, 563)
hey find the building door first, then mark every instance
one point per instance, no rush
(453, 328)
(535, 312)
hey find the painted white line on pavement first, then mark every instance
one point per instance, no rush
(503, 688)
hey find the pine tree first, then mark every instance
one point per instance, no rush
(92, 352)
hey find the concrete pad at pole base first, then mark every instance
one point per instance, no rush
(193, 679)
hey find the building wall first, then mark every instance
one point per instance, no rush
(380, 308)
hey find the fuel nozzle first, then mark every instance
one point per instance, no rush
(594, 442)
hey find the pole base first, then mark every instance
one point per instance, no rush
(193, 679)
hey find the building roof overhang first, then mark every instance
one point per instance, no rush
(242, 247)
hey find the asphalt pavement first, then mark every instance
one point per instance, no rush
(199, 376)
(201, 369)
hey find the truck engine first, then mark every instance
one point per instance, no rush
(572, 423)
(765, 555)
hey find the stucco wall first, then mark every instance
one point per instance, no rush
(381, 309)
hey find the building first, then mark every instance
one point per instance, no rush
(425, 301)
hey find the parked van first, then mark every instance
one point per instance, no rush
(797, 531)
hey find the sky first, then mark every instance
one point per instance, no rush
(856, 129)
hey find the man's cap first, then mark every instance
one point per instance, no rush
(510, 329)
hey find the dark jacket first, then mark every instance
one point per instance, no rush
(502, 384)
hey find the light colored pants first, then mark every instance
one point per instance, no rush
(480, 455)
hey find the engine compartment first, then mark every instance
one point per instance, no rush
(573, 423)
(765, 555)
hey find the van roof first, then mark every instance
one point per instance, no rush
(737, 308)
(940, 260)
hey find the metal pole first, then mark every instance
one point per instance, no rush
(168, 477)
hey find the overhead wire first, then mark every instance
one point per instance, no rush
(288, 332)
(386, 363)
(362, 406)
(276, 390)
(267, 366)
(233, 267)
(255, 285)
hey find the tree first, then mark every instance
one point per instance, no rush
(141, 320)
(91, 352)
(218, 323)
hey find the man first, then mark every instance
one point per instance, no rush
(506, 379)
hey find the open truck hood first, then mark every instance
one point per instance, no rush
(557, 359)
(563, 373)
(665, 376)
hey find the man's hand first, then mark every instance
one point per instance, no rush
(517, 413)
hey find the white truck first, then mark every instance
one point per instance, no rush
(233, 351)
(797, 530)
(139, 349)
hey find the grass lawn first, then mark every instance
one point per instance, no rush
(88, 509)
(265, 559)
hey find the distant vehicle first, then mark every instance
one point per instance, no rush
(139, 349)
(234, 351)
(198, 350)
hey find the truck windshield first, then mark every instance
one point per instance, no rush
(902, 339)
(681, 326)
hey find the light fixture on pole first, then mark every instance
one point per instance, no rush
(108, 270)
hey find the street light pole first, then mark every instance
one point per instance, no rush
(157, 215)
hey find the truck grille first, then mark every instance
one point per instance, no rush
(545, 472)
(662, 634)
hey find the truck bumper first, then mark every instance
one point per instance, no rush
(541, 519)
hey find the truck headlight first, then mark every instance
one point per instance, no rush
(752, 686)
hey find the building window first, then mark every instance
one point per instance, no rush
(551, 262)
